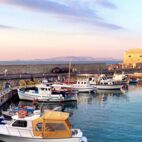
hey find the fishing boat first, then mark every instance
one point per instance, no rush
(133, 80)
(11, 112)
(61, 87)
(83, 86)
(110, 92)
(42, 92)
(108, 84)
(52, 126)
(123, 78)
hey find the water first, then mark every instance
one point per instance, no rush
(108, 116)
(35, 62)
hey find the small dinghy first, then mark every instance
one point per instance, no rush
(11, 112)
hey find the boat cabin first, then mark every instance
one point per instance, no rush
(52, 125)
(106, 81)
(82, 83)
(61, 87)
(39, 89)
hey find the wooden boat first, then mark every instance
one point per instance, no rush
(51, 127)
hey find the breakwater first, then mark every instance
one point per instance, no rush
(45, 70)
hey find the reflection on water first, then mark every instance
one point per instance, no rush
(101, 97)
(107, 116)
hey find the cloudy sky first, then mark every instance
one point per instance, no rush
(40, 29)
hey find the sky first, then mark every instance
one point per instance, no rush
(42, 29)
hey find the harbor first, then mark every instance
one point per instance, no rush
(70, 71)
(104, 104)
(85, 94)
(103, 112)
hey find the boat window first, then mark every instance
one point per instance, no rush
(68, 123)
(19, 123)
(90, 79)
(38, 127)
(42, 89)
(81, 82)
(78, 82)
(54, 127)
(84, 82)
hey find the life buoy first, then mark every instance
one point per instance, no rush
(22, 113)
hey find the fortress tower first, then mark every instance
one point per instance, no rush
(132, 57)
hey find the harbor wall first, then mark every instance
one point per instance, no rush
(46, 68)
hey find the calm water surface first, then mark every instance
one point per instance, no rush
(108, 116)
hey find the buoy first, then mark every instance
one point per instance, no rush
(22, 113)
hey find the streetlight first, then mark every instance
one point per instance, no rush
(5, 72)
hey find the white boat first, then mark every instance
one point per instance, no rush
(62, 87)
(42, 92)
(108, 84)
(120, 77)
(51, 127)
(123, 78)
(83, 86)
(110, 92)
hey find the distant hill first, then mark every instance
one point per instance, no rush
(78, 58)
(60, 60)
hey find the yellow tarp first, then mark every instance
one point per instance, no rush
(54, 115)
(63, 130)
(37, 131)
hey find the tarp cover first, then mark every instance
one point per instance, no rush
(54, 115)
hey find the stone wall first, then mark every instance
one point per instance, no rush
(46, 68)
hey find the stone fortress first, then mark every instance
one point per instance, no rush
(132, 57)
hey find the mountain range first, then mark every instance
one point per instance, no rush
(62, 60)
(77, 58)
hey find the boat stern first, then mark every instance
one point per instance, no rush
(78, 133)
(83, 139)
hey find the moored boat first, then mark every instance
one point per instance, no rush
(42, 92)
(83, 86)
(108, 84)
(51, 127)
(123, 78)
(133, 80)
(109, 87)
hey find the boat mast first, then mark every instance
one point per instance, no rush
(69, 75)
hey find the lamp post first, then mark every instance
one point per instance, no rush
(5, 72)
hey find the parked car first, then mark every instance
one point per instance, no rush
(61, 70)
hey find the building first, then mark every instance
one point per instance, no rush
(132, 57)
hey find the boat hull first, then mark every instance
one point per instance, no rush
(109, 87)
(83, 90)
(53, 98)
(7, 138)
